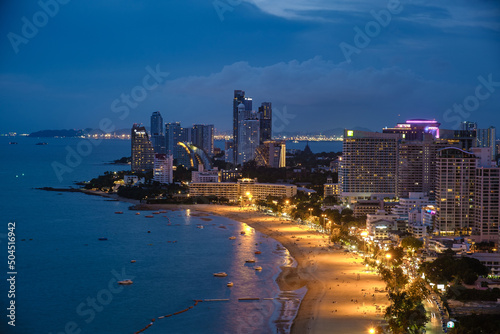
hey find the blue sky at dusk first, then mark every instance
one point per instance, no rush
(418, 62)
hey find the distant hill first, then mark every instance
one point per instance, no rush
(73, 132)
(340, 131)
(59, 133)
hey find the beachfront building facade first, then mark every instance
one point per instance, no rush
(244, 188)
(369, 164)
(142, 150)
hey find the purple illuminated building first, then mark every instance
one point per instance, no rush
(415, 129)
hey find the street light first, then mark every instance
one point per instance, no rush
(371, 331)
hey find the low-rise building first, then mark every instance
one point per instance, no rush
(243, 188)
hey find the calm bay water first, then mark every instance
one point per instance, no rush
(66, 277)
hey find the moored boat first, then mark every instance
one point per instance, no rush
(125, 282)
(230, 284)
(149, 216)
(119, 212)
(258, 252)
(221, 274)
(250, 261)
(232, 238)
(102, 239)
(258, 268)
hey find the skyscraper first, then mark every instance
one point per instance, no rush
(249, 136)
(271, 154)
(142, 150)
(266, 125)
(173, 135)
(203, 137)
(239, 116)
(456, 171)
(487, 204)
(157, 133)
(369, 164)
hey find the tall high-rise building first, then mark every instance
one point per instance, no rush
(249, 136)
(487, 204)
(455, 186)
(266, 122)
(203, 137)
(369, 164)
(272, 153)
(163, 168)
(238, 116)
(142, 149)
(173, 135)
(487, 138)
(157, 133)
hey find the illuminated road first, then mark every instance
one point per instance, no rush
(434, 326)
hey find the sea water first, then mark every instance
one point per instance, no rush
(66, 279)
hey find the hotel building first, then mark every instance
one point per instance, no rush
(243, 188)
(142, 150)
(456, 172)
(369, 164)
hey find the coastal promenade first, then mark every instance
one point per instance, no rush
(341, 294)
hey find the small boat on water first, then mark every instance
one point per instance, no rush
(13, 143)
(230, 284)
(200, 226)
(119, 212)
(250, 261)
(163, 211)
(242, 232)
(132, 261)
(258, 252)
(258, 268)
(149, 216)
(232, 238)
(102, 239)
(221, 274)
(137, 213)
(156, 212)
(125, 282)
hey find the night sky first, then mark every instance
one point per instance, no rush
(322, 63)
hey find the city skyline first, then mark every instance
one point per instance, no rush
(323, 65)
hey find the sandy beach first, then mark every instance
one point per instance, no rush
(341, 296)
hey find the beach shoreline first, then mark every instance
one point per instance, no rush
(341, 295)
